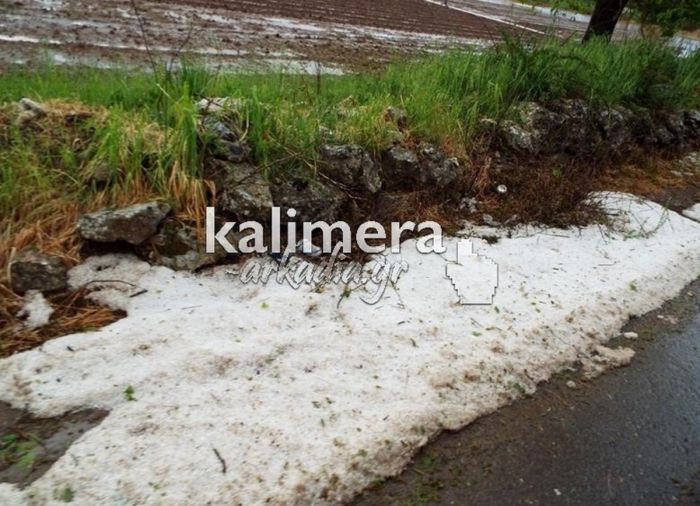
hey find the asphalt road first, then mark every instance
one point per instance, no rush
(630, 437)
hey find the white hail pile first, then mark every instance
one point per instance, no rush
(308, 396)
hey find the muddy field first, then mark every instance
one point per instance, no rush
(336, 33)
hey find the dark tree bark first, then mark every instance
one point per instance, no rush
(605, 16)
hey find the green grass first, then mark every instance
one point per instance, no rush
(444, 95)
(147, 133)
(19, 450)
(582, 6)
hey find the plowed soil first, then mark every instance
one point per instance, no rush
(336, 33)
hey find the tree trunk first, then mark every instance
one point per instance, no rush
(604, 18)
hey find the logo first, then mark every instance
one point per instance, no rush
(474, 278)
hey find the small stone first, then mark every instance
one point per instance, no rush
(487, 125)
(102, 175)
(397, 116)
(572, 385)
(133, 224)
(614, 123)
(217, 105)
(489, 220)
(176, 246)
(470, 204)
(436, 169)
(27, 104)
(29, 111)
(32, 270)
(630, 335)
(512, 220)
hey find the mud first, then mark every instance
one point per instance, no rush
(629, 437)
(330, 36)
(42, 441)
(234, 33)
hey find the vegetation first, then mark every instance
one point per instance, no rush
(582, 6)
(142, 128)
(141, 132)
(19, 450)
(669, 15)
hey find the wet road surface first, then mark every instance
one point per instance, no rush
(630, 437)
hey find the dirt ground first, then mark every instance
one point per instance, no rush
(302, 37)
(334, 32)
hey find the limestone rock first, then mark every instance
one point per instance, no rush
(133, 224)
(32, 270)
(351, 166)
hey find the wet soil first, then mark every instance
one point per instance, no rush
(334, 32)
(29, 446)
(631, 436)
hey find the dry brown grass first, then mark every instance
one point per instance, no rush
(659, 179)
(73, 312)
(50, 198)
(548, 190)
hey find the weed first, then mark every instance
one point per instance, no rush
(129, 393)
(20, 450)
(64, 494)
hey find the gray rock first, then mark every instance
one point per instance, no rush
(102, 175)
(662, 135)
(470, 204)
(489, 220)
(397, 116)
(405, 168)
(225, 142)
(642, 128)
(31, 270)
(691, 162)
(614, 124)
(577, 131)
(436, 169)
(218, 105)
(675, 125)
(533, 116)
(29, 111)
(400, 166)
(219, 129)
(692, 123)
(520, 139)
(487, 126)
(351, 166)
(236, 152)
(132, 224)
(313, 200)
(27, 104)
(245, 192)
(176, 246)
